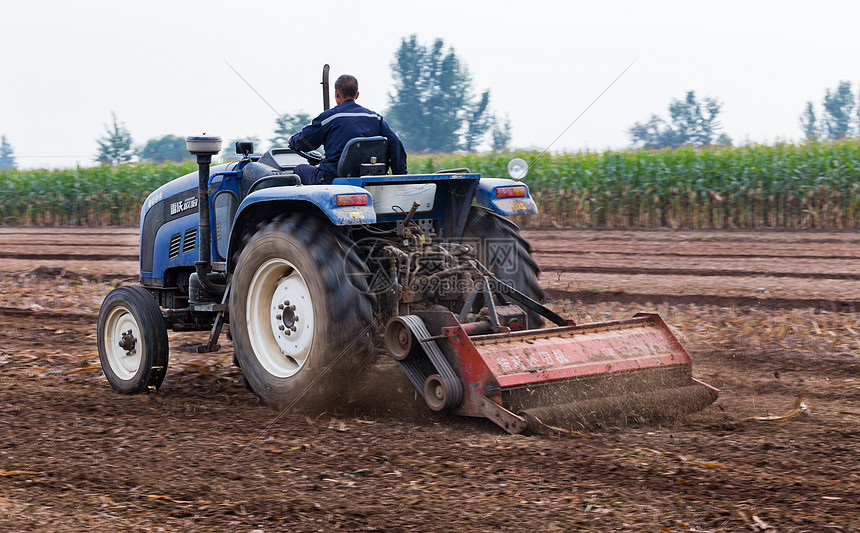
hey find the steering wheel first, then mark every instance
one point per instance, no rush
(313, 157)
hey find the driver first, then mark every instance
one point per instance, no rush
(337, 126)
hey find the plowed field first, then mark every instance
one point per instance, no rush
(771, 318)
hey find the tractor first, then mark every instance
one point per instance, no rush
(314, 282)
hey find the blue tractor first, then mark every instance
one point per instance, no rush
(315, 281)
(223, 244)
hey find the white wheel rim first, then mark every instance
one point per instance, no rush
(280, 318)
(124, 363)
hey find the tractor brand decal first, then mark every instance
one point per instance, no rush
(183, 205)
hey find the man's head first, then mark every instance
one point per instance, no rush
(345, 88)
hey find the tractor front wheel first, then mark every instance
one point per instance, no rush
(299, 329)
(132, 340)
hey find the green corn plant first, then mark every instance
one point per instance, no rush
(95, 196)
(809, 185)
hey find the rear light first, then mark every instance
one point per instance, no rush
(343, 200)
(517, 191)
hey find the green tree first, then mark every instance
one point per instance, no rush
(808, 122)
(652, 134)
(7, 155)
(115, 145)
(478, 122)
(691, 122)
(857, 107)
(724, 140)
(501, 134)
(838, 105)
(431, 107)
(286, 126)
(167, 148)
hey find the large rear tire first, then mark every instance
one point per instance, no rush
(506, 254)
(299, 328)
(132, 340)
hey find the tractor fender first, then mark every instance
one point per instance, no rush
(486, 196)
(321, 200)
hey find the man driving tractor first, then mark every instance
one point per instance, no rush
(337, 126)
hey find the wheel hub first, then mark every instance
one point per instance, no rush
(288, 317)
(280, 317)
(128, 342)
(290, 333)
(123, 335)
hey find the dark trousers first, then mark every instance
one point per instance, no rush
(311, 175)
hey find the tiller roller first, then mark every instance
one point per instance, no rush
(570, 375)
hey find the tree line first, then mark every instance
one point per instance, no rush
(838, 117)
(435, 108)
(693, 122)
(7, 154)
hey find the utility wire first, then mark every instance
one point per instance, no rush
(280, 117)
(583, 112)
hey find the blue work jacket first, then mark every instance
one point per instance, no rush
(337, 126)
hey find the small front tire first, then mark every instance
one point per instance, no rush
(132, 340)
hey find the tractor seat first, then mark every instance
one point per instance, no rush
(364, 156)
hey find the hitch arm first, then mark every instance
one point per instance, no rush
(512, 293)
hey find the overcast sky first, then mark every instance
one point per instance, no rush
(158, 64)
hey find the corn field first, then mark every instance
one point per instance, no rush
(812, 185)
(95, 196)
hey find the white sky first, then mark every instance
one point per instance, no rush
(67, 65)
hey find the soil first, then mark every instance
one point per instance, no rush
(769, 317)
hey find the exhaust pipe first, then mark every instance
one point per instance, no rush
(204, 148)
(326, 102)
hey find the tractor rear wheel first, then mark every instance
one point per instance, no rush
(132, 340)
(506, 254)
(299, 329)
